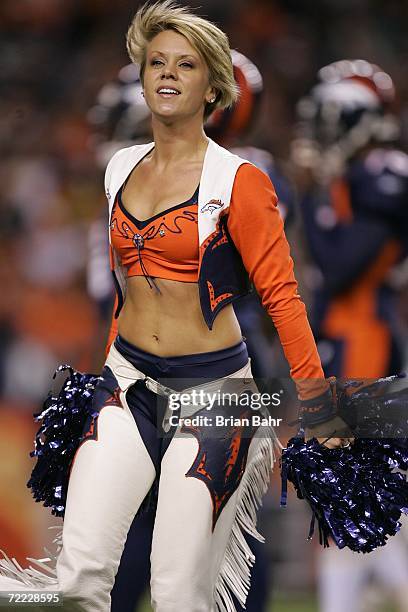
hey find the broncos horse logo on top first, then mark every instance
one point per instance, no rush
(211, 206)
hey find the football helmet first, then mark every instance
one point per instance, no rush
(349, 107)
(233, 122)
(120, 116)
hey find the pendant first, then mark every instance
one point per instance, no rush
(138, 241)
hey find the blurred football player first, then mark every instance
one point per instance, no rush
(353, 185)
(353, 195)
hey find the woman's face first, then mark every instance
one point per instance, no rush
(176, 80)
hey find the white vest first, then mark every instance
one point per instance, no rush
(216, 182)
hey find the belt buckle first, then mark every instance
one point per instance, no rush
(156, 387)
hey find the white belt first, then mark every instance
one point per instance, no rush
(127, 374)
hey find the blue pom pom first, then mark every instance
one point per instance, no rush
(355, 494)
(64, 419)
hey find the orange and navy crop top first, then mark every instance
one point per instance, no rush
(163, 246)
(248, 244)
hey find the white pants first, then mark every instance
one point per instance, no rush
(194, 568)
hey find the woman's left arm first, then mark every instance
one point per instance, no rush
(256, 227)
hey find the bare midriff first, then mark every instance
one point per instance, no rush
(171, 323)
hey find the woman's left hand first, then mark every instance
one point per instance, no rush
(334, 433)
(335, 442)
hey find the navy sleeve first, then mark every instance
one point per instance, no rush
(378, 187)
(343, 251)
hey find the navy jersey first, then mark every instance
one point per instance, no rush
(357, 231)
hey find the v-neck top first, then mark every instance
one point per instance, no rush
(164, 246)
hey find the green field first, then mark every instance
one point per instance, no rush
(288, 603)
(280, 604)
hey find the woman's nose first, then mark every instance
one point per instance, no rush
(169, 72)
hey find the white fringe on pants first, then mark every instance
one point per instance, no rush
(195, 568)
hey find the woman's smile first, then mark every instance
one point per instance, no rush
(168, 92)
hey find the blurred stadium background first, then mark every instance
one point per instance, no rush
(55, 56)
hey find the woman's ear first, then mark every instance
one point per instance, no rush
(211, 96)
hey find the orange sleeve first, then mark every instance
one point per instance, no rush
(256, 228)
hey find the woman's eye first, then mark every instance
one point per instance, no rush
(156, 62)
(187, 64)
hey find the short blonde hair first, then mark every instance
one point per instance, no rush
(208, 40)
